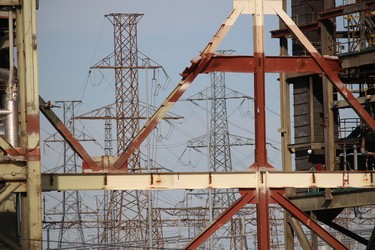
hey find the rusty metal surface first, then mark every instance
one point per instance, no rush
(260, 113)
(263, 223)
(272, 64)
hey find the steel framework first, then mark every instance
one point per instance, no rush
(259, 186)
(202, 62)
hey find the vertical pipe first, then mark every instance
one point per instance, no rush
(355, 152)
(11, 120)
(11, 47)
(311, 109)
(345, 168)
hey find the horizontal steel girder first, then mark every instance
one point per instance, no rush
(272, 64)
(170, 181)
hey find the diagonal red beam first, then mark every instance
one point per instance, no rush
(65, 133)
(222, 219)
(334, 79)
(272, 64)
(306, 220)
(189, 74)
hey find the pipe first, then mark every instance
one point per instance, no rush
(355, 157)
(344, 157)
(11, 48)
(4, 112)
(11, 104)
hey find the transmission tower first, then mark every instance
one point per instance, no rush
(108, 147)
(71, 215)
(219, 154)
(128, 211)
(68, 218)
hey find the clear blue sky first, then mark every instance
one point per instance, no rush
(73, 35)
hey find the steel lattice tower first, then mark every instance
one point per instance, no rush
(220, 154)
(126, 80)
(108, 147)
(127, 210)
(71, 212)
(128, 226)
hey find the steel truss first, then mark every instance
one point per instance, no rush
(261, 193)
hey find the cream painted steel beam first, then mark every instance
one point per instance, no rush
(6, 147)
(31, 223)
(302, 238)
(12, 172)
(8, 190)
(171, 181)
(10, 2)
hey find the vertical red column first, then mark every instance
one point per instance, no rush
(263, 227)
(260, 115)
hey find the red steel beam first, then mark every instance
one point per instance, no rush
(306, 220)
(260, 112)
(272, 64)
(65, 133)
(222, 219)
(334, 79)
(261, 161)
(263, 223)
(259, 89)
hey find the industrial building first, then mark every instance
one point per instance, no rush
(321, 196)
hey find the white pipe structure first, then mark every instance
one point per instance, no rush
(11, 120)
